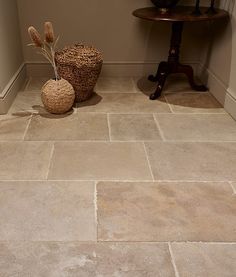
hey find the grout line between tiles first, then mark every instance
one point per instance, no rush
(27, 84)
(159, 127)
(134, 85)
(173, 261)
(96, 208)
(50, 161)
(148, 161)
(231, 185)
(109, 126)
(125, 141)
(113, 180)
(27, 127)
(170, 242)
(168, 104)
(124, 242)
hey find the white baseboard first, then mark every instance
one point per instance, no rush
(218, 89)
(10, 91)
(230, 105)
(109, 69)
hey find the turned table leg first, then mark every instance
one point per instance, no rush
(173, 65)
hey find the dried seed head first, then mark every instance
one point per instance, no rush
(35, 37)
(48, 31)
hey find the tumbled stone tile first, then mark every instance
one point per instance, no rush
(202, 161)
(174, 211)
(123, 103)
(47, 211)
(13, 127)
(85, 126)
(85, 259)
(24, 160)
(142, 84)
(27, 103)
(99, 161)
(133, 127)
(115, 84)
(197, 127)
(211, 260)
(204, 102)
(173, 84)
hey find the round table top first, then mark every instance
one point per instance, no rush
(179, 13)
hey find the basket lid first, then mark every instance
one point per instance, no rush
(79, 54)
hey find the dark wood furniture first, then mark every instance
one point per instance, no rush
(177, 16)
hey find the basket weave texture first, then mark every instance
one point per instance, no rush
(58, 96)
(81, 66)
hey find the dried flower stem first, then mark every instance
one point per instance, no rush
(47, 48)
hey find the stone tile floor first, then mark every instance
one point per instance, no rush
(119, 187)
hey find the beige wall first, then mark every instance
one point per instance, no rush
(107, 24)
(10, 46)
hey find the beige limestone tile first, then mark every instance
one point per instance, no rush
(130, 127)
(99, 161)
(24, 160)
(85, 259)
(201, 161)
(178, 83)
(123, 103)
(13, 127)
(47, 211)
(211, 260)
(173, 84)
(143, 85)
(35, 84)
(83, 126)
(27, 103)
(197, 127)
(115, 84)
(203, 102)
(167, 211)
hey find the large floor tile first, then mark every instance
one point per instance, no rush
(54, 259)
(83, 126)
(211, 260)
(27, 103)
(173, 84)
(115, 84)
(24, 160)
(123, 103)
(13, 127)
(185, 102)
(129, 127)
(99, 161)
(197, 127)
(202, 161)
(47, 211)
(166, 211)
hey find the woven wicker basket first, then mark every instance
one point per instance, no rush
(58, 96)
(81, 66)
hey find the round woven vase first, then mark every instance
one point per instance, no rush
(81, 66)
(58, 96)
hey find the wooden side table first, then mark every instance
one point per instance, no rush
(177, 17)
